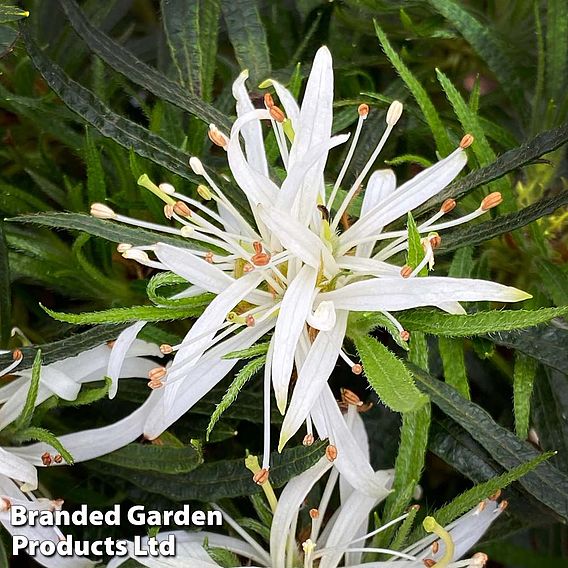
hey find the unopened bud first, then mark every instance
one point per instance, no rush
(394, 113)
(181, 209)
(260, 476)
(277, 114)
(167, 188)
(196, 166)
(466, 141)
(331, 453)
(363, 110)
(204, 192)
(448, 205)
(406, 271)
(492, 200)
(166, 349)
(268, 100)
(101, 211)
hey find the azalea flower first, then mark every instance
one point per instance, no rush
(344, 537)
(299, 270)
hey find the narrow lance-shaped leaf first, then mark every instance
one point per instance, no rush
(415, 249)
(25, 417)
(388, 376)
(243, 376)
(137, 71)
(548, 484)
(453, 361)
(523, 379)
(452, 325)
(418, 92)
(248, 37)
(5, 292)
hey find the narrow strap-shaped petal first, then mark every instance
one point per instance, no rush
(313, 376)
(289, 503)
(17, 468)
(193, 268)
(381, 186)
(200, 379)
(368, 266)
(394, 294)
(118, 354)
(351, 460)
(60, 383)
(406, 198)
(294, 310)
(252, 132)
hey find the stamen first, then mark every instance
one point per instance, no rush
(197, 166)
(363, 110)
(406, 271)
(308, 440)
(466, 141)
(357, 369)
(331, 453)
(181, 209)
(58, 458)
(492, 200)
(394, 113)
(448, 205)
(166, 349)
(217, 137)
(260, 476)
(167, 188)
(204, 192)
(277, 114)
(101, 211)
(46, 459)
(268, 100)
(404, 335)
(123, 247)
(479, 559)
(157, 373)
(168, 211)
(349, 397)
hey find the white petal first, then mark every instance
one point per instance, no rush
(89, 444)
(351, 460)
(200, 379)
(368, 266)
(394, 294)
(214, 315)
(294, 310)
(381, 186)
(252, 132)
(192, 268)
(60, 383)
(289, 503)
(408, 196)
(17, 468)
(324, 317)
(118, 353)
(313, 377)
(299, 240)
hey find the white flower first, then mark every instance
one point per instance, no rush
(294, 269)
(343, 535)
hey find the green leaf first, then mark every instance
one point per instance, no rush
(545, 344)
(65, 348)
(248, 37)
(168, 279)
(216, 480)
(451, 325)
(548, 484)
(486, 43)
(418, 92)
(462, 263)
(401, 536)
(45, 436)
(135, 313)
(523, 379)
(138, 72)
(453, 361)
(481, 232)
(470, 498)
(554, 280)
(5, 292)
(556, 48)
(123, 131)
(541, 144)
(409, 462)
(25, 417)
(243, 376)
(415, 249)
(363, 323)
(149, 457)
(256, 349)
(96, 186)
(388, 376)
(103, 228)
